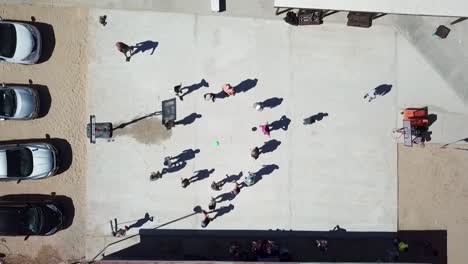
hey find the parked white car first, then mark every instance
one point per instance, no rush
(30, 161)
(18, 103)
(19, 42)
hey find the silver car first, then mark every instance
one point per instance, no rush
(20, 103)
(30, 161)
(20, 42)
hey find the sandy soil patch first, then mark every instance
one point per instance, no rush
(433, 193)
(63, 78)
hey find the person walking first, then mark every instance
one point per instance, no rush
(206, 220)
(125, 49)
(228, 89)
(212, 204)
(371, 94)
(255, 153)
(185, 182)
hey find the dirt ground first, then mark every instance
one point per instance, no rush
(433, 193)
(62, 83)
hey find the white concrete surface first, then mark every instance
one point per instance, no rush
(455, 8)
(341, 170)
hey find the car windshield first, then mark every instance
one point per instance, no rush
(31, 220)
(7, 40)
(7, 102)
(19, 162)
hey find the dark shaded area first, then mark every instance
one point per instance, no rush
(186, 155)
(65, 152)
(265, 170)
(201, 175)
(177, 166)
(194, 87)
(188, 119)
(227, 196)
(382, 89)
(145, 46)
(221, 95)
(246, 85)
(269, 146)
(45, 100)
(222, 5)
(461, 19)
(222, 211)
(312, 119)
(65, 203)
(47, 37)
(140, 222)
(231, 178)
(293, 246)
(463, 139)
(271, 102)
(282, 123)
(123, 125)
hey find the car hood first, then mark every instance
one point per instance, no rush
(25, 103)
(24, 42)
(43, 161)
(3, 164)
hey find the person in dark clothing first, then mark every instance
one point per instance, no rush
(209, 96)
(185, 182)
(255, 153)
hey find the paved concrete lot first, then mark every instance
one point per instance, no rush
(339, 170)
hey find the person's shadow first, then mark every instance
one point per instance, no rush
(201, 175)
(223, 210)
(188, 119)
(145, 46)
(194, 87)
(312, 119)
(269, 146)
(228, 196)
(382, 89)
(231, 178)
(272, 102)
(178, 165)
(140, 222)
(282, 123)
(246, 85)
(265, 170)
(186, 155)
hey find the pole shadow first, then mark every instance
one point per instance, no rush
(123, 125)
